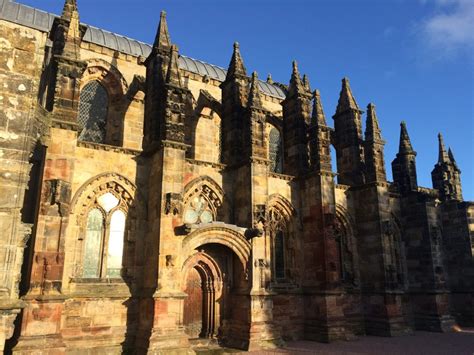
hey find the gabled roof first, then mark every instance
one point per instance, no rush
(40, 20)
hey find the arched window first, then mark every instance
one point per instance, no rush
(104, 238)
(278, 231)
(93, 107)
(202, 201)
(279, 255)
(275, 151)
(207, 137)
(92, 250)
(198, 211)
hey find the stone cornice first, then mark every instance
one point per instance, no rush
(206, 163)
(108, 148)
(281, 176)
(69, 125)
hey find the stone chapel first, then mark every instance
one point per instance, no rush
(150, 201)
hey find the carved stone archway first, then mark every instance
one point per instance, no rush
(218, 233)
(201, 315)
(215, 275)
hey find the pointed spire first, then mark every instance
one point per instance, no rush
(346, 99)
(255, 99)
(269, 78)
(451, 157)
(71, 14)
(442, 155)
(306, 83)
(318, 118)
(70, 6)
(162, 39)
(236, 65)
(405, 144)
(173, 76)
(296, 85)
(372, 128)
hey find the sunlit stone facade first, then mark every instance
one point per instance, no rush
(151, 202)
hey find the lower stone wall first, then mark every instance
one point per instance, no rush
(353, 314)
(80, 325)
(288, 315)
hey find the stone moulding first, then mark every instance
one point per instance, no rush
(206, 163)
(281, 176)
(108, 148)
(220, 233)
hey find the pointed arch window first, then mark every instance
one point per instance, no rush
(279, 254)
(275, 151)
(104, 238)
(278, 232)
(93, 108)
(201, 205)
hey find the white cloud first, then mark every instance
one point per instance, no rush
(451, 27)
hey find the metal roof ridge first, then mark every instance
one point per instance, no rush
(279, 92)
(203, 62)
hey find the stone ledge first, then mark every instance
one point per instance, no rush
(206, 163)
(108, 148)
(281, 176)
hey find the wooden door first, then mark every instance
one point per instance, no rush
(193, 305)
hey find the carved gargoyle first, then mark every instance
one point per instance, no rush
(251, 233)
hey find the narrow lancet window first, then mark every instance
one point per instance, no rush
(115, 248)
(93, 247)
(279, 255)
(93, 106)
(275, 153)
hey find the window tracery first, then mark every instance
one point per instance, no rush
(277, 227)
(201, 205)
(104, 238)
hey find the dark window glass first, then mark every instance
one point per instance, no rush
(279, 255)
(275, 151)
(93, 105)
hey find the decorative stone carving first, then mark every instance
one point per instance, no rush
(170, 260)
(173, 203)
(58, 193)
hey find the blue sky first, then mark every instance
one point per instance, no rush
(412, 58)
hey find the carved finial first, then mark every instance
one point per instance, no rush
(405, 143)
(442, 154)
(296, 85)
(173, 76)
(346, 98)
(306, 84)
(372, 129)
(70, 6)
(236, 65)
(254, 96)
(270, 79)
(162, 39)
(318, 117)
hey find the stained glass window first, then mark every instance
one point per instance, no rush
(275, 153)
(115, 252)
(279, 255)
(92, 252)
(93, 106)
(198, 211)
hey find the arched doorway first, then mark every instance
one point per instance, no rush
(213, 277)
